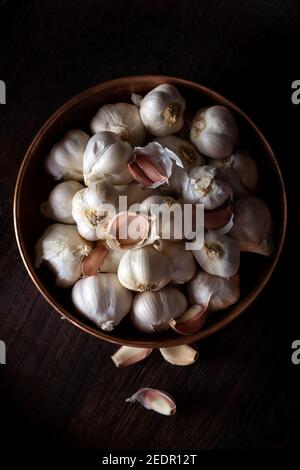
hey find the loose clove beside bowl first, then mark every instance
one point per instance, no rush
(33, 186)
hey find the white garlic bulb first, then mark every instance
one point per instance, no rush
(58, 207)
(214, 131)
(65, 158)
(203, 187)
(162, 110)
(214, 292)
(111, 261)
(62, 249)
(219, 256)
(186, 151)
(252, 226)
(167, 216)
(102, 299)
(122, 119)
(106, 155)
(183, 261)
(144, 269)
(93, 208)
(153, 311)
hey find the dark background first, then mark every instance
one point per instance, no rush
(59, 385)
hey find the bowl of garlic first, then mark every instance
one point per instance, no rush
(150, 211)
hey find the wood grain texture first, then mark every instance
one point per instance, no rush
(59, 384)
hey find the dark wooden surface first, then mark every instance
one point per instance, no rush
(59, 385)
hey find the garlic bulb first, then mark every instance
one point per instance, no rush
(93, 208)
(186, 151)
(240, 171)
(58, 207)
(183, 261)
(219, 256)
(106, 155)
(144, 269)
(111, 261)
(214, 131)
(252, 226)
(203, 187)
(102, 299)
(167, 216)
(214, 292)
(153, 311)
(128, 230)
(62, 249)
(162, 110)
(122, 119)
(65, 158)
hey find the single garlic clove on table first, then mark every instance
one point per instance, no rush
(180, 355)
(123, 119)
(126, 356)
(153, 311)
(154, 400)
(102, 299)
(214, 131)
(58, 207)
(62, 249)
(66, 157)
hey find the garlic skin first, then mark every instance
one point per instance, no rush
(219, 256)
(153, 311)
(65, 158)
(102, 299)
(214, 131)
(186, 151)
(93, 208)
(58, 207)
(123, 119)
(183, 262)
(111, 261)
(252, 226)
(215, 291)
(162, 110)
(144, 269)
(203, 187)
(107, 156)
(62, 249)
(166, 214)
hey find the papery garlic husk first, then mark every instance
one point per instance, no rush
(154, 400)
(144, 270)
(153, 311)
(192, 320)
(122, 119)
(129, 230)
(65, 158)
(219, 256)
(183, 262)
(102, 299)
(216, 292)
(214, 131)
(62, 249)
(135, 193)
(180, 355)
(107, 156)
(186, 151)
(252, 226)
(203, 187)
(167, 216)
(111, 261)
(240, 171)
(93, 208)
(153, 166)
(126, 356)
(162, 110)
(58, 207)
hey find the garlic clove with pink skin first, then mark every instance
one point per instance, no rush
(180, 355)
(154, 400)
(91, 263)
(252, 227)
(126, 356)
(192, 320)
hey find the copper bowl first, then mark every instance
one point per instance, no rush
(33, 186)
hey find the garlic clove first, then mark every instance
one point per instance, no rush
(58, 207)
(91, 263)
(126, 355)
(123, 119)
(192, 320)
(162, 110)
(186, 151)
(219, 256)
(180, 355)
(218, 218)
(111, 261)
(154, 400)
(146, 173)
(214, 131)
(128, 230)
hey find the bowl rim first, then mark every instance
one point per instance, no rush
(237, 309)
